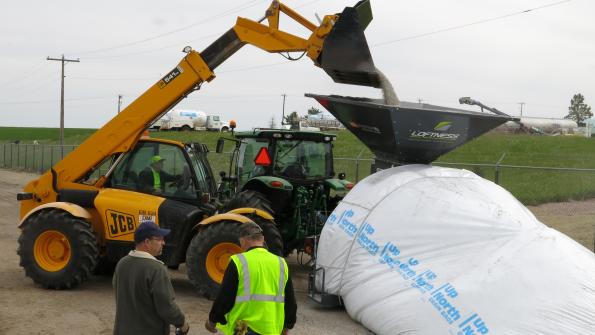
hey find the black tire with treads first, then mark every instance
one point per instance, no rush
(81, 240)
(254, 199)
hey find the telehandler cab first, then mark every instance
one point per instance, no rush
(86, 207)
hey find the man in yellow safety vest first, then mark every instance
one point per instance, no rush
(256, 295)
(153, 177)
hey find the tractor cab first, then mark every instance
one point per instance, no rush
(288, 174)
(299, 157)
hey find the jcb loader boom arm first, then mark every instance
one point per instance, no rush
(338, 45)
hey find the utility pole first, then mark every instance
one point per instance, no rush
(119, 102)
(283, 115)
(63, 60)
(521, 104)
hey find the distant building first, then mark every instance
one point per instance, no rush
(323, 122)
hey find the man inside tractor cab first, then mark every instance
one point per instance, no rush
(153, 178)
(291, 161)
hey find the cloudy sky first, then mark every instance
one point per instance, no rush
(495, 51)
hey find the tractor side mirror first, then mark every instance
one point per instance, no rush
(220, 144)
(342, 175)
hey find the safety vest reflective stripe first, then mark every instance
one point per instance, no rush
(246, 296)
(156, 179)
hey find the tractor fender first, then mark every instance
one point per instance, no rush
(74, 209)
(268, 182)
(338, 185)
(277, 190)
(221, 217)
(248, 210)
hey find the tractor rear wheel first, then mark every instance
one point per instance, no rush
(254, 199)
(57, 250)
(208, 255)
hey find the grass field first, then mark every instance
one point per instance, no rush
(44, 135)
(531, 186)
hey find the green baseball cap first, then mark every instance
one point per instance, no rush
(156, 159)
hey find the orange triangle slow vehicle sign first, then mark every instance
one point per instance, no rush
(263, 158)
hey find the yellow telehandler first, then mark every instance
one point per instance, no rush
(84, 210)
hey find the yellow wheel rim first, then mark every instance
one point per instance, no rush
(218, 257)
(52, 251)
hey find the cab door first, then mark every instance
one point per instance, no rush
(126, 201)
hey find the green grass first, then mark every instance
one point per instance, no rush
(44, 135)
(534, 186)
(529, 186)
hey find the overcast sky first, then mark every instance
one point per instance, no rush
(434, 50)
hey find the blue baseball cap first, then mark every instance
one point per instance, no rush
(148, 229)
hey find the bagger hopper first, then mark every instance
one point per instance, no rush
(408, 133)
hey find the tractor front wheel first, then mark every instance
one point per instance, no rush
(57, 250)
(208, 255)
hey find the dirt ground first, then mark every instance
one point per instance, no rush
(28, 309)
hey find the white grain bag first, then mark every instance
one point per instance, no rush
(430, 250)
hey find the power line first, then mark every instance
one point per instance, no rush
(177, 44)
(22, 76)
(221, 15)
(52, 100)
(253, 67)
(382, 43)
(469, 24)
(203, 21)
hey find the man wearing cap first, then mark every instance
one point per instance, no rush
(256, 295)
(145, 299)
(153, 178)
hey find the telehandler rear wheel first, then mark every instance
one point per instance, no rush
(254, 199)
(57, 250)
(208, 255)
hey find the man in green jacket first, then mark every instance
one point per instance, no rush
(145, 299)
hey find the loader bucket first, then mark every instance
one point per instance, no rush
(408, 132)
(345, 54)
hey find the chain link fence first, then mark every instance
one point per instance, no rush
(38, 158)
(35, 158)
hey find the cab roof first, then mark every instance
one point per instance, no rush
(316, 136)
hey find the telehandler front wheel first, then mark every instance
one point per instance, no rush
(254, 199)
(57, 250)
(208, 255)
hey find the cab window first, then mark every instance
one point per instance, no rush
(247, 168)
(156, 168)
(302, 160)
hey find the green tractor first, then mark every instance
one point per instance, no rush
(288, 174)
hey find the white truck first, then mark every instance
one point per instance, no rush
(187, 119)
